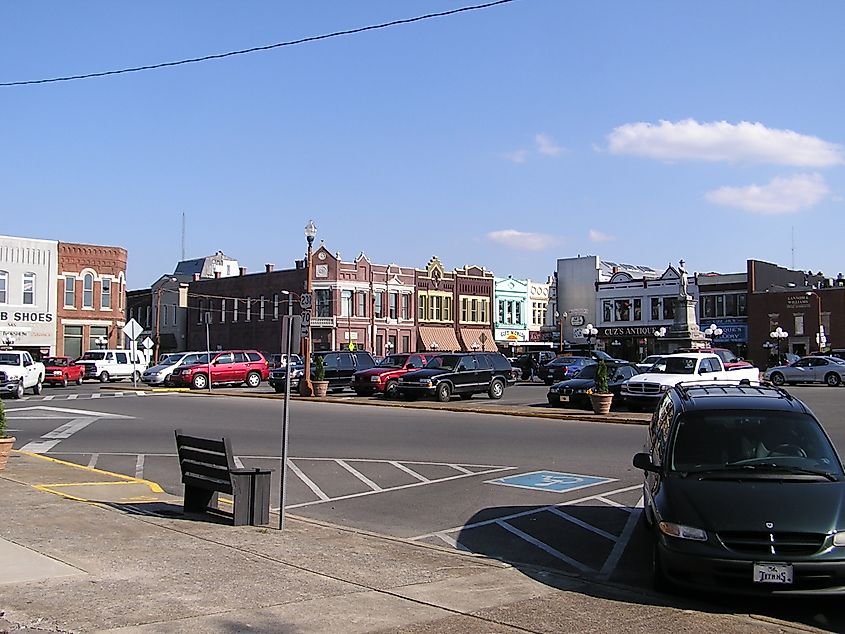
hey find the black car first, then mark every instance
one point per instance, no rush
(744, 493)
(576, 392)
(563, 367)
(462, 373)
(339, 368)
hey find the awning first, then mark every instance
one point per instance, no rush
(439, 338)
(472, 336)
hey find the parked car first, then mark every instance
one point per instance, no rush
(729, 359)
(230, 367)
(61, 371)
(19, 372)
(112, 365)
(743, 493)
(523, 361)
(277, 360)
(384, 377)
(563, 367)
(277, 376)
(576, 392)
(463, 373)
(340, 366)
(649, 361)
(160, 373)
(828, 370)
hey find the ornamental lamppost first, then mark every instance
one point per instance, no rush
(713, 331)
(305, 387)
(658, 335)
(101, 342)
(777, 334)
(434, 346)
(821, 339)
(589, 331)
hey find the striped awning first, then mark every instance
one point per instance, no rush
(472, 336)
(439, 339)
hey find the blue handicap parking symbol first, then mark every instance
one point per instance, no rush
(554, 481)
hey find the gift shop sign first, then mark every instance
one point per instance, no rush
(503, 334)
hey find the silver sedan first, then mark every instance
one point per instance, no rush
(814, 369)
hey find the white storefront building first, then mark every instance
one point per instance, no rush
(28, 270)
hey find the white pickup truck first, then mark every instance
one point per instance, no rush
(19, 372)
(645, 390)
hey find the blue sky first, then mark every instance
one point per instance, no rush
(644, 132)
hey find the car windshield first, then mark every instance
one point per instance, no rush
(393, 361)
(93, 356)
(650, 360)
(601, 354)
(9, 359)
(55, 361)
(751, 440)
(589, 371)
(196, 358)
(444, 362)
(675, 365)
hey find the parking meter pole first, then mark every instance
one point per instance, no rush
(208, 348)
(133, 350)
(285, 418)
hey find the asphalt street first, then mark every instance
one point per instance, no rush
(536, 492)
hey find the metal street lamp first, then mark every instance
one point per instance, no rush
(475, 346)
(821, 339)
(658, 335)
(305, 387)
(589, 331)
(8, 341)
(434, 346)
(101, 342)
(713, 331)
(777, 334)
(388, 347)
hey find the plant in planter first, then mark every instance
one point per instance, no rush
(321, 386)
(601, 396)
(6, 442)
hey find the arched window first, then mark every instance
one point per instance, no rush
(4, 287)
(28, 289)
(105, 293)
(88, 291)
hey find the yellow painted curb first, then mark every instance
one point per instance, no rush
(154, 487)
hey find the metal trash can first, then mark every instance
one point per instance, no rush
(251, 490)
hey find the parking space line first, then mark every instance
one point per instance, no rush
(359, 475)
(613, 503)
(72, 397)
(459, 468)
(582, 524)
(454, 543)
(238, 463)
(117, 394)
(93, 461)
(410, 472)
(307, 482)
(545, 547)
(139, 466)
(140, 393)
(49, 398)
(95, 396)
(614, 556)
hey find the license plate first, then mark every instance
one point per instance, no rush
(563, 399)
(773, 573)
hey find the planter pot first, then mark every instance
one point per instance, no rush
(5, 448)
(321, 388)
(601, 402)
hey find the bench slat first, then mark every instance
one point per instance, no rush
(207, 483)
(196, 455)
(205, 470)
(208, 444)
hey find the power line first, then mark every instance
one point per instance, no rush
(255, 49)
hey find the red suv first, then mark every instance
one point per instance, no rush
(384, 377)
(231, 367)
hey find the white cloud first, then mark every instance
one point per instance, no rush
(780, 196)
(522, 240)
(546, 145)
(517, 156)
(723, 141)
(598, 236)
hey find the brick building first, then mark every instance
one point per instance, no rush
(91, 295)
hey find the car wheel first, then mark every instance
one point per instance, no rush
(832, 379)
(777, 378)
(444, 392)
(199, 382)
(136, 377)
(63, 382)
(658, 577)
(391, 389)
(497, 389)
(18, 393)
(38, 387)
(79, 380)
(104, 377)
(253, 379)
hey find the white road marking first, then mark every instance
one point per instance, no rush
(582, 524)
(65, 410)
(410, 472)
(53, 438)
(308, 482)
(72, 397)
(544, 547)
(612, 503)
(454, 543)
(238, 463)
(118, 394)
(93, 461)
(359, 475)
(614, 556)
(95, 396)
(140, 393)
(49, 398)
(139, 466)
(459, 468)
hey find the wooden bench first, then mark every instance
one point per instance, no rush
(208, 468)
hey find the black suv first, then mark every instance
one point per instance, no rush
(339, 366)
(461, 373)
(743, 493)
(523, 361)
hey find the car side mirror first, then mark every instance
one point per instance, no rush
(643, 461)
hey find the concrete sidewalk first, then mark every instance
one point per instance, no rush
(129, 566)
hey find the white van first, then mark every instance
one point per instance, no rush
(112, 365)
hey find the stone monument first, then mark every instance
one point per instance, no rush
(684, 332)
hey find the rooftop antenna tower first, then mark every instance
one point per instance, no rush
(793, 247)
(183, 236)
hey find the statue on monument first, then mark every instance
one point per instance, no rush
(684, 281)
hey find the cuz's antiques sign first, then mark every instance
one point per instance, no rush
(626, 331)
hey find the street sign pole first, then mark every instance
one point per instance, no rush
(133, 330)
(285, 418)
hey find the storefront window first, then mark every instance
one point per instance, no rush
(638, 309)
(621, 310)
(28, 289)
(655, 308)
(324, 302)
(668, 309)
(94, 333)
(72, 341)
(607, 310)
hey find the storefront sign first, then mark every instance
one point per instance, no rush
(627, 331)
(577, 320)
(511, 336)
(797, 301)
